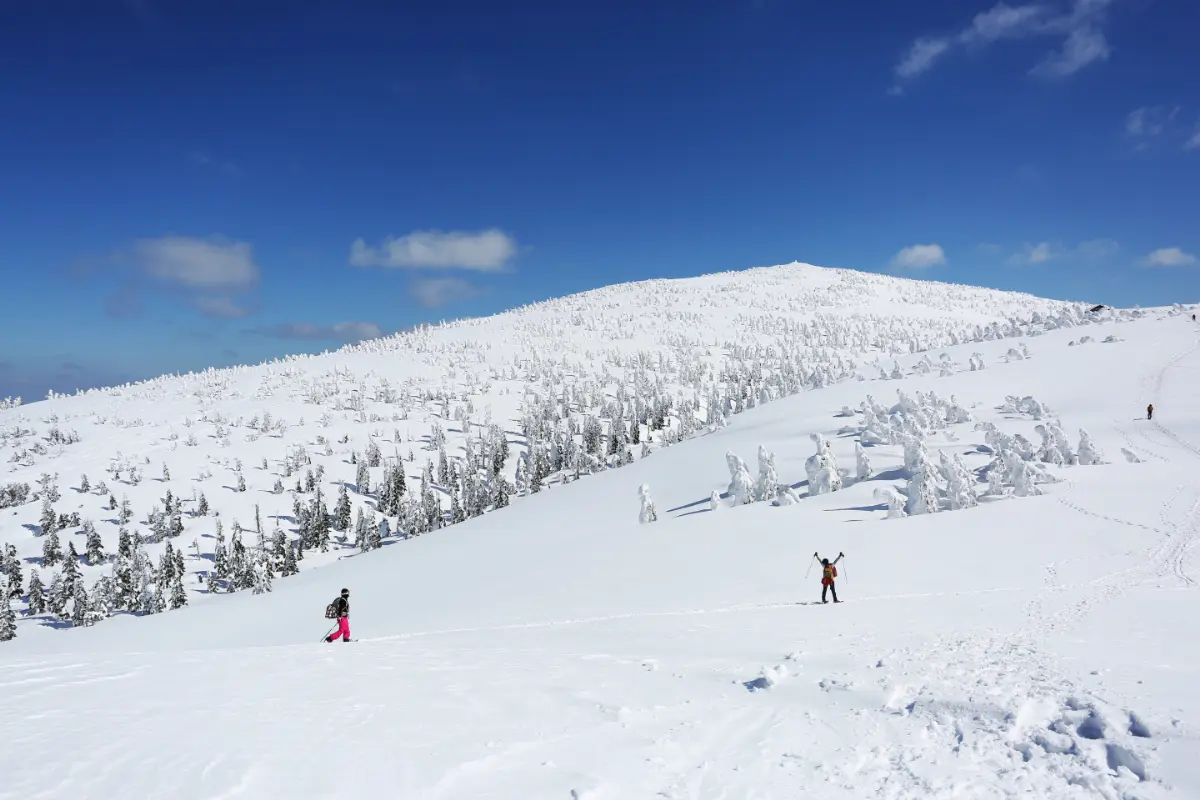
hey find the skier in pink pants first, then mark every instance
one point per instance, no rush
(342, 606)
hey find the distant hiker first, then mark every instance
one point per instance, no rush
(340, 609)
(1150, 411)
(828, 574)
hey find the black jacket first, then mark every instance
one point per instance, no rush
(342, 606)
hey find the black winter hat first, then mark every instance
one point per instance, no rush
(345, 592)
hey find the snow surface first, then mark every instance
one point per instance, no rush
(1039, 646)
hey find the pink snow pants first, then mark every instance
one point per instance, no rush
(343, 629)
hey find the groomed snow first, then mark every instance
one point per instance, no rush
(1040, 646)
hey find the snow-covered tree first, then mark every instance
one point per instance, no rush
(51, 550)
(1055, 448)
(960, 483)
(8, 618)
(786, 496)
(922, 490)
(10, 565)
(85, 485)
(1089, 453)
(862, 466)
(241, 482)
(741, 485)
(202, 506)
(822, 469)
(341, 512)
(49, 519)
(81, 605)
(57, 597)
(648, 512)
(714, 501)
(94, 549)
(894, 501)
(37, 594)
(768, 478)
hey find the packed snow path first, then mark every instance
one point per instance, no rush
(1030, 647)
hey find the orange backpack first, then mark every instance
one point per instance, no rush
(830, 573)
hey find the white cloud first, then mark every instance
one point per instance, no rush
(1084, 46)
(201, 264)
(1090, 252)
(1080, 26)
(342, 331)
(1194, 142)
(484, 251)
(920, 256)
(921, 57)
(437, 292)
(1169, 257)
(1003, 21)
(1036, 254)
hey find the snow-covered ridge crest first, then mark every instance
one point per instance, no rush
(766, 297)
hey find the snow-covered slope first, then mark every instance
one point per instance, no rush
(1030, 645)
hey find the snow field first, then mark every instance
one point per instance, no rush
(1029, 646)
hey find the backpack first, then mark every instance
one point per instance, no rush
(830, 574)
(331, 611)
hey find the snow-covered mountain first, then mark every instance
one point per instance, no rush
(1020, 617)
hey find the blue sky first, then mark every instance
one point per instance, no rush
(186, 183)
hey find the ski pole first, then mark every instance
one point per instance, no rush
(810, 563)
(328, 633)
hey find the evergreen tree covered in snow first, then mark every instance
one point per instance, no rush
(95, 546)
(8, 618)
(81, 605)
(57, 597)
(202, 506)
(894, 501)
(1089, 453)
(960, 483)
(922, 490)
(648, 512)
(822, 469)
(341, 512)
(10, 565)
(70, 573)
(362, 479)
(49, 520)
(863, 469)
(37, 594)
(741, 485)
(768, 478)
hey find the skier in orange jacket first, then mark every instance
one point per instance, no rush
(828, 575)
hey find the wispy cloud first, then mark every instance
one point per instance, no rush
(1169, 257)
(438, 292)
(207, 161)
(206, 264)
(1194, 142)
(1080, 25)
(1035, 254)
(1093, 251)
(220, 306)
(920, 256)
(340, 332)
(484, 251)
(209, 274)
